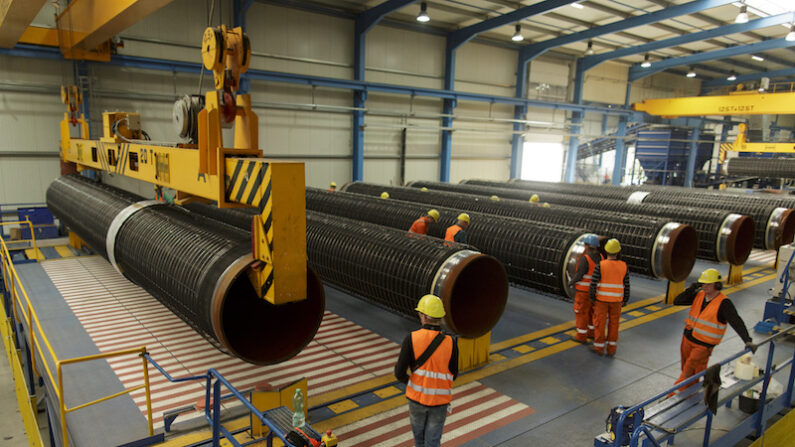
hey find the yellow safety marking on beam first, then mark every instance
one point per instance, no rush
(389, 391)
(653, 308)
(266, 180)
(64, 251)
(343, 406)
(251, 181)
(524, 349)
(496, 357)
(34, 253)
(636, 313)
(549, 340)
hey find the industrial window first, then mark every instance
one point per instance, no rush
(542, 161)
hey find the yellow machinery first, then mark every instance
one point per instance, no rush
(203, 168)
(737, 103)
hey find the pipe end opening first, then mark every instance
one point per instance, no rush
(679, 253)
(474, 295)
(740, 241)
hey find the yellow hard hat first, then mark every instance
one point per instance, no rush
(384, 195)
(434, 214)
(431, 306)
(424, 189)
(534, 198)
(333, 184)
(710, 276)
(612, 246)
(464, 217)
(495, 198)
(546, 205)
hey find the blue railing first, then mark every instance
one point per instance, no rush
(213, 398)
(752, 425)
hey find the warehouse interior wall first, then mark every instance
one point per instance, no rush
(302, 122)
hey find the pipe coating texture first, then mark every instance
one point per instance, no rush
(191, 264)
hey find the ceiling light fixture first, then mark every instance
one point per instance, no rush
(757, 58)
(423, 15)
(732, 76)
(691, 73)
(517, 36)
(589, 51)
(646, 63)
(742, 17)
(577, 5)
(791, 35)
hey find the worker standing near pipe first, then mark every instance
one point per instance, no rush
(457, 232)
(710, 312)
(432, 358)
(420, 226)
(609, 290)
(534, 199)
(581, 282)
(332, 186)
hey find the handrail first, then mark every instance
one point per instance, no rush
(19, 297)
(621, 419)
(32, 234)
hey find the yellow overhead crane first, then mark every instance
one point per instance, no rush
(737, 103)
(203, 168)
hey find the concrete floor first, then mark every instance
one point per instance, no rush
(12, 433)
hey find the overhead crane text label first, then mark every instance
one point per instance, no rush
(736, 108)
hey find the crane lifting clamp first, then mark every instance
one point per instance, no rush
(202, 168)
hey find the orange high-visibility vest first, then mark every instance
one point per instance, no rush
(705, 324)
(431, 384)
(584, 284)
(611, 285)
(420, 226)
(449, 235)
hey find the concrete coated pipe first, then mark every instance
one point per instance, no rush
(723, 236)
(191, 264)
(386, 267)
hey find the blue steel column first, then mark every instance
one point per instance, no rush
(576, 120)
(621, 152)
(447, 110)
(691, 157)
(519, 113)
(239, 10)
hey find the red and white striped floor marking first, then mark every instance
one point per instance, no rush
(759, 257)
(118, 314)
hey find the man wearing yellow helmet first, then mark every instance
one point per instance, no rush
(710, 312)
(609, 290)
(420, 226)
(432, 358)
(456, 233)
(332, 186)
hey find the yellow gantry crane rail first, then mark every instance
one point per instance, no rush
(207, 170)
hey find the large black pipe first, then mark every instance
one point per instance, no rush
(534, 255)
(658, 248)
(775, 168)
(387, 267)
(723, 236)
(773, 217)
(193, 265)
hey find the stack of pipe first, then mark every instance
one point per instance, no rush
(723, 236)
(193, 265)
(773, 217)
(387, 268)
(535, 255)
(654, 247)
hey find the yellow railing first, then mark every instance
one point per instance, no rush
(32, 239)
(20, 303)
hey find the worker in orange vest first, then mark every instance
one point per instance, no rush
(581, 282)
(710, 312)
(332, 186)
(457, 233)
(609, 290)
(420, 226)
(432, 357)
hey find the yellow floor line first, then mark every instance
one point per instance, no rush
(34, 253)
(321, 399)
(64, 251)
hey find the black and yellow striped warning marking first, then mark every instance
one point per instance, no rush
(250, 184)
